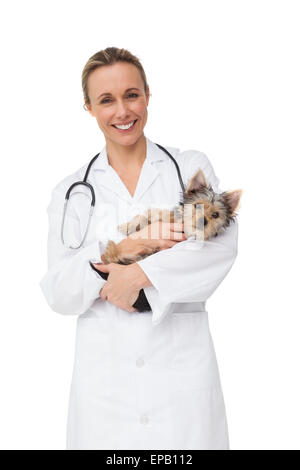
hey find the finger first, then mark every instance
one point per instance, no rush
(102, 294)
(173, 230)
(129, 308)
(102, 267)
(171, 243)
(177, 236)
(176, 226)
(171, 235)
(164, 244)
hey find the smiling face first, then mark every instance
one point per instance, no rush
(117, 97)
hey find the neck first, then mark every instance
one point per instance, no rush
(126, 156)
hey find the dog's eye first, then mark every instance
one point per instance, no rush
(215, 215)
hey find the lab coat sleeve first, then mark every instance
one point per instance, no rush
(191, 270)
(70, 285)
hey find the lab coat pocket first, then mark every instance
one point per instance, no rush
(200, 421)
(93, 356)
(194, 364)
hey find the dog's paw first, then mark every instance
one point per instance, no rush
(134, 225)
(123, 228)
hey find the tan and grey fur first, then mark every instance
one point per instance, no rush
(205, 214)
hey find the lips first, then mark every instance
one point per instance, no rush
(124, 123)
(125, 130)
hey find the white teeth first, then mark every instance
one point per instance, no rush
(125, 126)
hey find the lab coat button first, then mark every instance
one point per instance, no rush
(140, 362)
(144, 419)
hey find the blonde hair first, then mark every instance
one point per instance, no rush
(109, 56)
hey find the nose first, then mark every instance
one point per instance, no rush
(121, 110)
(205, 220)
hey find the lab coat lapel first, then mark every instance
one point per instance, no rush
(106, 177)
(148, 175)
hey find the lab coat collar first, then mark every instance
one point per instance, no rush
(108, 178)
(153, 154)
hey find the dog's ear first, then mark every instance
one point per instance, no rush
(232, 199)
(196, 182)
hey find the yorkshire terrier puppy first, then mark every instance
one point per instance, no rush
(205, 214)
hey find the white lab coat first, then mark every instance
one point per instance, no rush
(145, 380)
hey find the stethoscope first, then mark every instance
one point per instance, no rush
(91, 189)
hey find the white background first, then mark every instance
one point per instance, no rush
(224, 78)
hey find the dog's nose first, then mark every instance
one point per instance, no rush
(205, 220)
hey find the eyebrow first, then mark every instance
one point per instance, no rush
(128, 89)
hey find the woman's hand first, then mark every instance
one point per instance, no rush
(125, 281)
(123, 284)
(154, 237)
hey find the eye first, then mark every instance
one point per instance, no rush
(215, 215)
(130, 95)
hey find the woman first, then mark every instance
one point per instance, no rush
(141, 380)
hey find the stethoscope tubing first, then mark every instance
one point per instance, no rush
(90, 187)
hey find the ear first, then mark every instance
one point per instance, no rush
(196, 181)
(233, 199)
(89, 108)
(148, 95)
